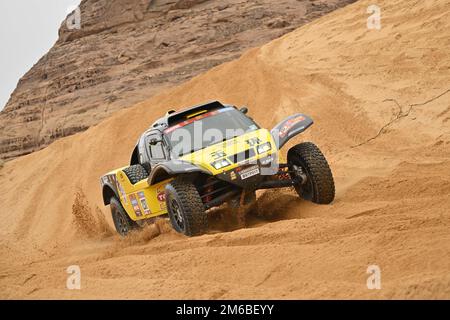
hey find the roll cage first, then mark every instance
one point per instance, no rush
(153, 147)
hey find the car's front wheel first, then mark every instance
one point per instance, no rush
(311, 169)
(185, 208)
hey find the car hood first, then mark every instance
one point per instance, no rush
(236, 151)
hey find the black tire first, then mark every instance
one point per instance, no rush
(136, 173)
(185, 208)
(319, 187)
(122, 221)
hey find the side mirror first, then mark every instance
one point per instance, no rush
(244, 110)
(155, 141)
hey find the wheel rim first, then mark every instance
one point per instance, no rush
(177, 213)
(123, 226)
(307, 188)
(121, 223)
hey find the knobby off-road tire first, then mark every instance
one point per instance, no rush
(185, 208)
(122, 221)
(319, 187)
(136, 173)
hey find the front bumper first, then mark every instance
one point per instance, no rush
(250, 174)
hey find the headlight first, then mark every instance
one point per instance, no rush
(264, 147)
(220, 164)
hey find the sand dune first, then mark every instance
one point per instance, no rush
(380, 100)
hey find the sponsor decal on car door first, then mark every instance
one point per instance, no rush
(161, 195)
(135, 204)
(144, 204)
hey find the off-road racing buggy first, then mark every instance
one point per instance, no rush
(193, 160)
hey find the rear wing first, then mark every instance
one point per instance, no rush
(182, 115)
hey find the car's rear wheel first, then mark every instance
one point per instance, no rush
(185, 208)
(122, 222)
(307, 161)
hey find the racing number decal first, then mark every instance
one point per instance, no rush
(216, 155)
(253, 141)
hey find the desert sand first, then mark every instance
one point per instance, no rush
(381, 104)
(128, 50)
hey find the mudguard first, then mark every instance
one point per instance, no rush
(289, 128)
(166, 170)
(109, 188)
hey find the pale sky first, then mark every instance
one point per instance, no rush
(28, 29)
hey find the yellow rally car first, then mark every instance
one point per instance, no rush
(192, 160)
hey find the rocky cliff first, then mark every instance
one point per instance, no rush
(126, 51)
(380, 102)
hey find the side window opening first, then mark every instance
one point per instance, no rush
(157, 151)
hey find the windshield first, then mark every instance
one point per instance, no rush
(208, 129)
